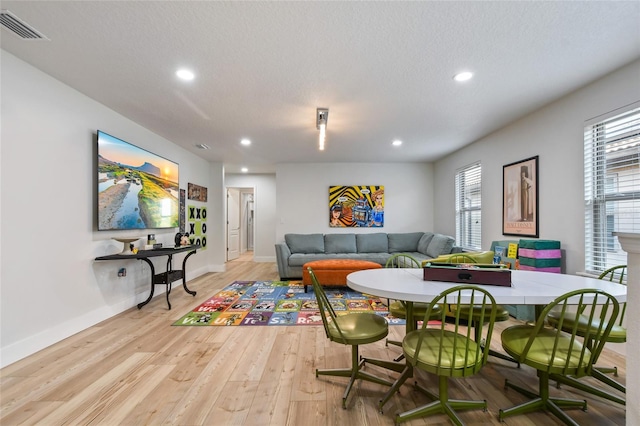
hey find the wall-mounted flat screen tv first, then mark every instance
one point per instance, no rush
(136, 188)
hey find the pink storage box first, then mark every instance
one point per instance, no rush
(540, 254)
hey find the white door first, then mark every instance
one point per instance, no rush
(233, 224)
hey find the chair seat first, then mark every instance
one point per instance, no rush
(501, 313)
(618, 333)
(515, 338)
(398, 309)
(358, 329)
(465, 357)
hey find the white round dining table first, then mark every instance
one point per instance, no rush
(527, 287)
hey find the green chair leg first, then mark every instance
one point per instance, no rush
(406, 373)
(355, 372)
(542, 402)
(441, 404)
(575, 383)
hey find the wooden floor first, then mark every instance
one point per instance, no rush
(136, 369)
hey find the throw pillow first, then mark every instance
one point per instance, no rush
(440, 244)
(423, 244)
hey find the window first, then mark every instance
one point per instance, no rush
(469, 207)
(611, 187)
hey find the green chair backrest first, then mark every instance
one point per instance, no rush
(327, 312)
(467, 347)
(461, 258)
(616, 274)
(402, 260)
(595, 305)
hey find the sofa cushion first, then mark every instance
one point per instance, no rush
(424, 241)
(372, 243)
(340, 243)
(404, 242)
(305, 243)
(440, 244)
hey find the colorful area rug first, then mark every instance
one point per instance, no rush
(279, 303)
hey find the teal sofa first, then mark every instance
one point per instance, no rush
(298, 249)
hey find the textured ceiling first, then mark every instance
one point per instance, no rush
(384, 69)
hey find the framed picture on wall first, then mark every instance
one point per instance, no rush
(356, 206)
(520, 198)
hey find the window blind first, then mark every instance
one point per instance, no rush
(468, 193)
(611, 187)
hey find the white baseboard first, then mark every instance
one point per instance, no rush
(31, 345)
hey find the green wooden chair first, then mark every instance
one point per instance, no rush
(447, 350)
(398, 308)
(471, 314)
(618, 335)
(353, 329)
(554, 352)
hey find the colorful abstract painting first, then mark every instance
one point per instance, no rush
(356, 206)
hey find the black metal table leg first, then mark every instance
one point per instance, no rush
(184, 274)
(153, 273)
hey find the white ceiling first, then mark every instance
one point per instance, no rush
(384, 69)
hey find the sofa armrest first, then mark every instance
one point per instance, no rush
(282, 258)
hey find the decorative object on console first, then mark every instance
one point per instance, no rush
(520, 198)
(127, 244)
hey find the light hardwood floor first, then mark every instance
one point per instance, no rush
(136, 369)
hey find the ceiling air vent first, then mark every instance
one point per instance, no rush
(18, 27)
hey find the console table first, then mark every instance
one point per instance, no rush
(165, 278)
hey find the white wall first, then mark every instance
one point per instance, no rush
(50, 285)
(264, 200)
(302, 201)
(555, 134)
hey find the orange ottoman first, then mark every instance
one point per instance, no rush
(333, 272)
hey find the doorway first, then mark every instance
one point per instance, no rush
(240, 223)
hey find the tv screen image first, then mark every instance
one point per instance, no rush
(136, 188)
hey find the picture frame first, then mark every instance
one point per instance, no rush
(520, 198)
(356, 206)
(196, 192)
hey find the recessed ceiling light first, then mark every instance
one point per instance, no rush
(245, 142)
(244, 170)
(203, 146)
(396, 142)
(185, 74)
(463, 76)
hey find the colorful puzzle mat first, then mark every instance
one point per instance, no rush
(279, 303)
